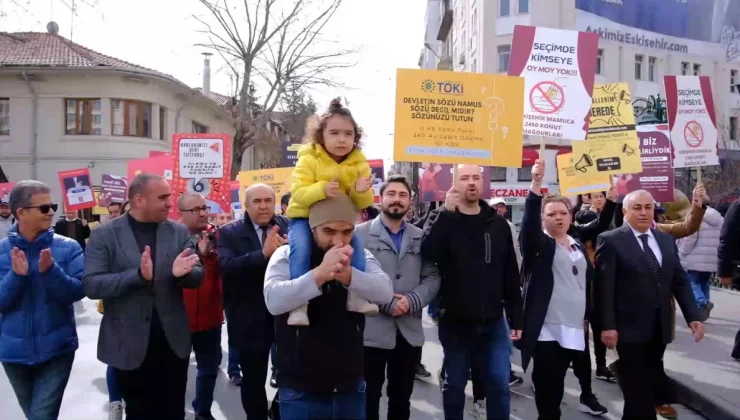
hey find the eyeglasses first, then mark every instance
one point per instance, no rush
(44, 208)
(197, 210)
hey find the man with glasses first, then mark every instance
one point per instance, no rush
(40, 279)
(204, 304)
(139, 265)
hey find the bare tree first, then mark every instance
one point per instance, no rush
(721, 181)
(274, 42)
(724, 179)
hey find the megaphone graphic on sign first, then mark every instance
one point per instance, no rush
(584, 163)
(628, 150)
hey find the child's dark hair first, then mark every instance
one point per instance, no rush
(315, 124)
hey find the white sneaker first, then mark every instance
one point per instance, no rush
(115, 411)
(299, 316)
(478, 410)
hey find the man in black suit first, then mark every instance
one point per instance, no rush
(638, 270)
(244, 248)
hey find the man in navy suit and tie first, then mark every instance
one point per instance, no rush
(244, 248)
(638, 270)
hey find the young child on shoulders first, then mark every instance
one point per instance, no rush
(329, 164)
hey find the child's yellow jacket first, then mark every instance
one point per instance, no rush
(315, 168)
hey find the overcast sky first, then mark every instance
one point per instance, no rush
(161, 34)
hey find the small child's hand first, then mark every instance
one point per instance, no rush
(332, 189)
(363, 184)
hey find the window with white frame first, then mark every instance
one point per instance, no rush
(199, 128)
(600, 61)
(498, 174)
(131, 118)
(4, 116)
(639, 59)
(684, 68)
(652, 68)
(524, 173)
(733, 81)
(504, 54)
(162, 123)
(83, 117)
(504, 7)
(523, 6)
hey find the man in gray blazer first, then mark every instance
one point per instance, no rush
(394, 337)
(138, 264)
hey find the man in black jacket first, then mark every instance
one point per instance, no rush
(637, 272)
(244, 248)
(320, 368)
(728, 257)
(473, 248)
(73, 228)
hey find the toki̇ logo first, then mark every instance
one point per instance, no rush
(446, 88)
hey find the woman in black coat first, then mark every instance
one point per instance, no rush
(556, 249)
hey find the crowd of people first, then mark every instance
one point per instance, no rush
(337, 306)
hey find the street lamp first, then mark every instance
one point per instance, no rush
(429, 47)
(443, 63)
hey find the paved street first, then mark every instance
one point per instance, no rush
(706, 371)
(86, 396)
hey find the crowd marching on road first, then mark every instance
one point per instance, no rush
(337, 306)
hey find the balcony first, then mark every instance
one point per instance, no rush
(446, 24)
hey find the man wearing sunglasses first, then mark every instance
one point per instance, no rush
(204, 304)
(40, 279)
(139, 264)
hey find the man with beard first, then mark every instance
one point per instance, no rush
(474, 251)
(320, 369)
(394, 337)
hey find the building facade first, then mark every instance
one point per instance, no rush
(640, 42)
(63, 106)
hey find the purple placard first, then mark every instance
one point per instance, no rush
(657, 175)
(112, 190)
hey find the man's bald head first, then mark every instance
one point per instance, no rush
(259, 203)
(185, 200)
(469, 182)
(254, 188)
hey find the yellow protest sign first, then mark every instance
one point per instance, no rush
(457, 118)
(97, 210)
(574, 180)
(612, 146)
(277, 178)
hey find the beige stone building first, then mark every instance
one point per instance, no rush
(63, 106)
